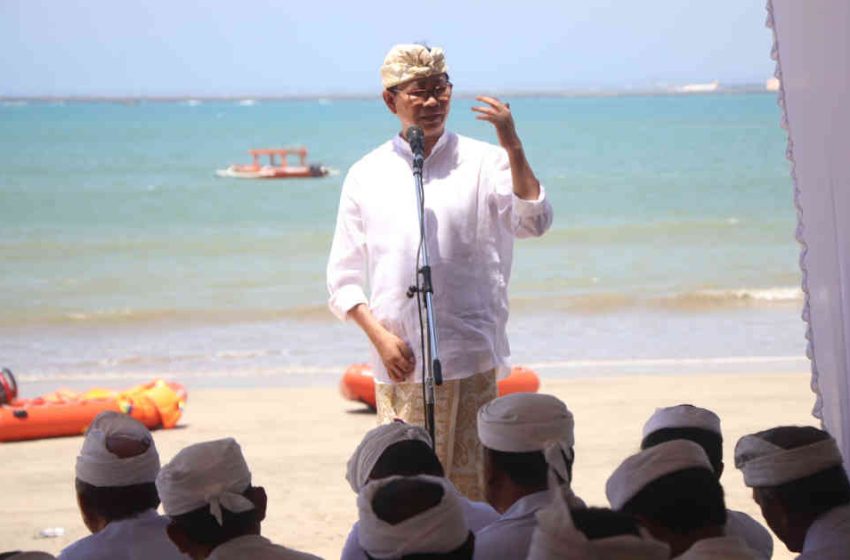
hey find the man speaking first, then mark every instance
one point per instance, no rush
(477, 198)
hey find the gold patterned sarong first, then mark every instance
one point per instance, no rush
(456, 404)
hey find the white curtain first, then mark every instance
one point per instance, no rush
(812, 51)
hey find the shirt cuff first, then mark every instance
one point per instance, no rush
(344, 299)
(530, 208)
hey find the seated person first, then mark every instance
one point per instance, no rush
(400, 449)
(798, 479)
(672, 490)
(215, 511)
(702, 427)
(591, 534)
(524, 436)
(116, 494)
(413, 518)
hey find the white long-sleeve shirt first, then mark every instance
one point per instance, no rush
(255, 547)
(135, 538)
(472, 218)
(828, 538)
(719, 548)
(753, 533)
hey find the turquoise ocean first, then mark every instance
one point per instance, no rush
(123, 256)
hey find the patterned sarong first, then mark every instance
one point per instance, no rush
(456, 404)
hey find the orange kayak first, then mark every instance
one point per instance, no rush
(358, 383)
(158, 404)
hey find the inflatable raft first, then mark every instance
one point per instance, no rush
(158, 404)
(358, 383)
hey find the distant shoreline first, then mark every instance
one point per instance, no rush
(577, 93)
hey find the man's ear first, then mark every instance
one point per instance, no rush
(258, 497)
(389, 100)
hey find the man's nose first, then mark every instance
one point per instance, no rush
(431, 101)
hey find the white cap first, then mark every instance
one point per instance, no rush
(525, 422)
(212, 473)
(682, 416)
(439, 529)
(98, 466)
(410, 62)
(765, 464)
(637, 471)
(374, 443)
(556, 538)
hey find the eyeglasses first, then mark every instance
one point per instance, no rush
(440, 92)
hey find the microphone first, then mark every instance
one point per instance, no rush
(416, 139)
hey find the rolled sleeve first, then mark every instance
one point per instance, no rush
(346, 272)
(531, 218)
(345, 298)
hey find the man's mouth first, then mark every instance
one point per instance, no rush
(431, 119)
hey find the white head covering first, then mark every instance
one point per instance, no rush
(557, 538)
(212, 473)
(98, 466)
(374, 443)
(765, 464)
(649, 465)
(682, 416)
(437, 530)
(524, 422)
(409, 62)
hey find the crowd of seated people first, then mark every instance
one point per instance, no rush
(665, 501)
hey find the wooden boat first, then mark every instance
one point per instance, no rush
(358, 383)
(158, 404)
(275, 169)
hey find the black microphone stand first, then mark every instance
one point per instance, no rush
(432, 372)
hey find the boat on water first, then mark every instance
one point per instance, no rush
(278, 166)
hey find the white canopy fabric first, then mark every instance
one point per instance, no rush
(812, 52)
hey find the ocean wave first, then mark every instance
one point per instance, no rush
(721, 299)
(703, 300)
(126, 316)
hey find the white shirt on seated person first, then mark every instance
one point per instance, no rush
(136, 538)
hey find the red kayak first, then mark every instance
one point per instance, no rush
(358, 383)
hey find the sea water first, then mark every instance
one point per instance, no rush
(123, 256)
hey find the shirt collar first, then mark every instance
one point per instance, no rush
(836, 520)
(401, 146)
(528, 505)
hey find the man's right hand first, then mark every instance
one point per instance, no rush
(396, 355)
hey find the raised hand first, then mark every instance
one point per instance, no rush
(499, 114)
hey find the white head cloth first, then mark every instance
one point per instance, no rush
(410, 62)
(374, 443)
(437, 530)
(649, 465)
(682, 416)
(212, 473)
(98, 466)
(525, 422)
(557, 538)
(765, 464)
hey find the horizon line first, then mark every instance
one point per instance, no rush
(517, 93)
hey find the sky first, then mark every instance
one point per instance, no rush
(318, 47)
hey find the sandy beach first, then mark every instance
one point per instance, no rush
(297, 441)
